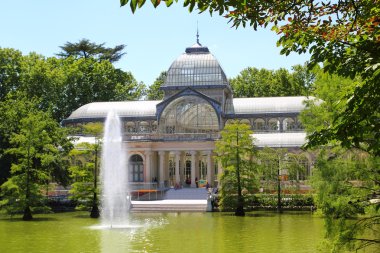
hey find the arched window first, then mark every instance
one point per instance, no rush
(259, 125)
(144, 127)
(289, 124)
(154, 127)
(189, 114)
(229, 121)
(130, 127)
(136, 169)
(273, 124)
(246, 121)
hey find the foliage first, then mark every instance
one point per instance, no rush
(235, 152)
(86, 49)
(84, 168)
(276, 165)
(328, 91)
(154, 92)
(82, 175)
(347, 183)
(10, 70)
(14, 109)
(252, 82)
(63, 85)
(37, 147)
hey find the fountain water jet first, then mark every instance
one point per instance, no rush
(115, 201)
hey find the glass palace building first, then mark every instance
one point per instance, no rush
(172, 141)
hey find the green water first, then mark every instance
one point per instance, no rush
(165, 232)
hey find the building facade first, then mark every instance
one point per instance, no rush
(172, 141)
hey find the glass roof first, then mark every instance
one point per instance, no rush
(269, 105)
(279, 140)
(148, 108)
(196, 67)
(123, 109)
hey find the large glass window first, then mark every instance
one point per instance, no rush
(189, 114)
(136, 169)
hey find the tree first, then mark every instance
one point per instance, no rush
(37, 148)
(346, 180)
(328, 92)
(84, 170)
(347, 184)
(10, 68)
(86, 49)
(235, 151)
(63, 85)
(154, 92)
(252, 82)
(277, 163)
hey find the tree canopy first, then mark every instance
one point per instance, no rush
(63, 85)
(154, 92)
(252, 82)
(86, 49)
(37, 145)
(235, 151)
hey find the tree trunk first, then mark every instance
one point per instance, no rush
(240, 204)
(27, 214)
(279, 209)
(95, 210)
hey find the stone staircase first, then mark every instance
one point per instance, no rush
(181, 200)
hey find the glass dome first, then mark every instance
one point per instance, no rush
(189, 114)
(196, 67)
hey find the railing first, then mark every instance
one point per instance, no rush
(146, 191)
(170, 137)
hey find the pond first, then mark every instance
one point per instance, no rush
(165, 232)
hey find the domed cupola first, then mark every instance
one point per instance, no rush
(196, 68)
(199, 70)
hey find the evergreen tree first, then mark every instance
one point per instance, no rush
(86, 49)
(235, 152)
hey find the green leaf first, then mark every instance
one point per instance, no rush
(169, 2)
(133, 5)
(192, 4)
(141, 3)
(155, 3)
(123, 2)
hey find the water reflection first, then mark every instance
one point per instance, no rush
(215, 232)
(133, 237)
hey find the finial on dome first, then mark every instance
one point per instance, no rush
(197, 34)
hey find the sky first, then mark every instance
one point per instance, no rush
(154, 38)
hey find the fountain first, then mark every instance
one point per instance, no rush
(115, 202)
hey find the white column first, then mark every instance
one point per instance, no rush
(177, 160)
(182, 167)
(193, 168)
(148, 166)
(210, 178)
(162, 164)
(197, 165)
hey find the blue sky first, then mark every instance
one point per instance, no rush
(154, 37)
